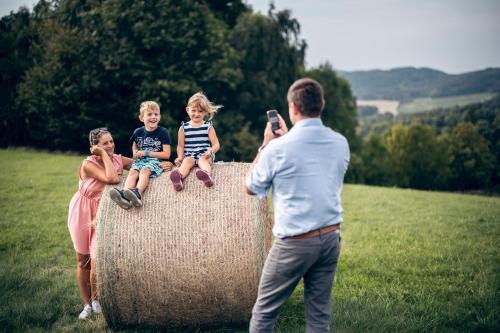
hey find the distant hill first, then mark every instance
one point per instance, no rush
(408, 83)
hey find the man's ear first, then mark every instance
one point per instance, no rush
(141, 117)
(294, 109)
(187, 109)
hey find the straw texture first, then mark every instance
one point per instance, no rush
(185, 259)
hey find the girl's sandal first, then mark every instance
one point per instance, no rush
(204, 177)
(176, 178)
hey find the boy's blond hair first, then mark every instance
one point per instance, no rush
(146, 105)
(200, 100)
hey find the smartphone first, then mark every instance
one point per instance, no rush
(272, 117)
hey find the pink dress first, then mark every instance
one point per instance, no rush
(83, 207)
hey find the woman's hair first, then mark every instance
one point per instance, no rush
(200, 100)
(146, 105)
(95, 135)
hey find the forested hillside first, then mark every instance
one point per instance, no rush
(447, 149)
(404, 84)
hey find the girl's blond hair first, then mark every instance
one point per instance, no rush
(200, 100)
(146, 105)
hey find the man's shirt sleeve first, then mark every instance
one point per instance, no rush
(260, 179)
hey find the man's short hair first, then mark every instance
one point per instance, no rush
(307, 95)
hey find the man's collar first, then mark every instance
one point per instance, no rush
(316, 121)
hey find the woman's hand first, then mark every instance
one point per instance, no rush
(178, 161)
(97, 151)
(166, 166)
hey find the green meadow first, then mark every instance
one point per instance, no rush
(412, 261)
(428, 104)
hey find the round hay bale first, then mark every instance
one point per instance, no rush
(185, 259)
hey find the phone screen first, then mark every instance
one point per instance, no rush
(272, 116)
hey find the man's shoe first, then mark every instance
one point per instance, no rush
(204, 177)
(117, 196)
(176, 178)
(134, 196)
(96, 307)
(87, 311)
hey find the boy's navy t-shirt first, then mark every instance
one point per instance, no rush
(153, 141)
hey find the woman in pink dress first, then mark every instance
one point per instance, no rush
(101, 168)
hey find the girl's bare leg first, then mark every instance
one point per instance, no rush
(205, 164)
(203, 173)
(186, 166)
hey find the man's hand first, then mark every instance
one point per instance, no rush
(269, 134)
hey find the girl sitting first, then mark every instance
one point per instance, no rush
(198, 142)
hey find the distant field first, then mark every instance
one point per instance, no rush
(411, 261)
(427, 104)
(383, 106)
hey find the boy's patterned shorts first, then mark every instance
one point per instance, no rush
(150, 163)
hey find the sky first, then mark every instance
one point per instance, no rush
(454, 36)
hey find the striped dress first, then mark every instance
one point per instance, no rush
(196, 140)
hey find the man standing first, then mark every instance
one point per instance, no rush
(305, 169)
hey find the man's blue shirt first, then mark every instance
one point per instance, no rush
(305, 169)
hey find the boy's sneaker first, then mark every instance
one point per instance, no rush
(134, 196)
(176, 178)
(96, 307)
(87, 311)
(117, 196)
(204, 177)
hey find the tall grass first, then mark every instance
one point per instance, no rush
(411, 261)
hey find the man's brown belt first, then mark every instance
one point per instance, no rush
(317, 232)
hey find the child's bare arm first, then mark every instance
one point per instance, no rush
(214, 141)
(180, 147)
(137, 153)
(162, 155)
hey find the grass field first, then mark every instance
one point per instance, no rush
(383, 106)
(412, 261)
(427, 104)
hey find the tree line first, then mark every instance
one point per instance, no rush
(454, 149)
(73, 65)
(69, 66)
